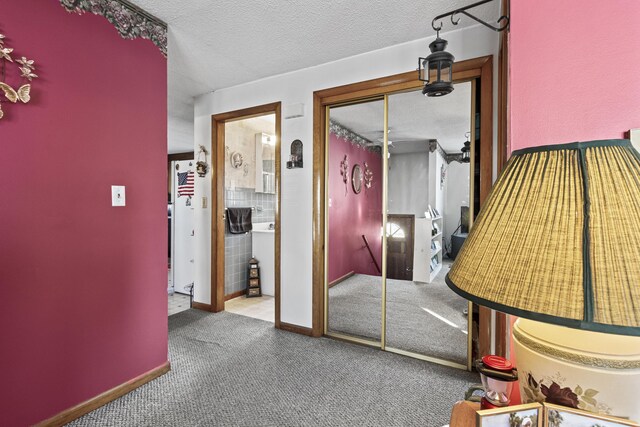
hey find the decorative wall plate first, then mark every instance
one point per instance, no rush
(236, 160)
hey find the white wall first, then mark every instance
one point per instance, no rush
(296, 197)
(408, 178)
(179, 135)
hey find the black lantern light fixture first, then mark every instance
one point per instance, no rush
(466, 149)
(436, 70)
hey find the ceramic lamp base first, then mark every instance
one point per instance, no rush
(588, 370)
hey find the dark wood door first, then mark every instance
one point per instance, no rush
(400, 246)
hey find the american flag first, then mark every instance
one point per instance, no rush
(185, 183)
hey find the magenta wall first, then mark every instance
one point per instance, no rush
(574, 70)
(352, 215)
(84, 300)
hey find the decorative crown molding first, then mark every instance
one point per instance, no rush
(131, 21)
(434, 145)
(355, 139)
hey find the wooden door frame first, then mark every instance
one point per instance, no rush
(477, 68)
(217, 200)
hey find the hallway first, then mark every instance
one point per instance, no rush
(228, 369)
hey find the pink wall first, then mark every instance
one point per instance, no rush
(352, 215)
(574, 70)
(84, 300)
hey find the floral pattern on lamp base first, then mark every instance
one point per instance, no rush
(554, 390)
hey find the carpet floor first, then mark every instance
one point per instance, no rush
(415, 313)
(231, 370)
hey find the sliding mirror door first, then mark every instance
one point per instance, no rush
(354, 215)
(428, 201)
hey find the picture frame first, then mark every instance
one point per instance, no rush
(527, 415)
(562, 416)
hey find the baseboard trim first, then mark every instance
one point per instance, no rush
(202, 306)
(341, 279)
(296, 329)
(235, 295)
(102, 399)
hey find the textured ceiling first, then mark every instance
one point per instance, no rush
(413, 120)
(217, 44)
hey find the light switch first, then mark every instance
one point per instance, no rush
(117, 195)
(204, 203)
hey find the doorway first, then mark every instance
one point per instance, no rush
(180, 231)
(406, 247)
(245, 260)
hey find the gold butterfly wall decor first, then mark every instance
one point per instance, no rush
(26, 67)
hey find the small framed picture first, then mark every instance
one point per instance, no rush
(528, 415)
(560, 416)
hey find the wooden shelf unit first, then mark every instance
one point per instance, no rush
(423, 252)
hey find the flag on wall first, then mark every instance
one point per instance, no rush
(185, 183)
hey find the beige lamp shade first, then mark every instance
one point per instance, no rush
(558, 239)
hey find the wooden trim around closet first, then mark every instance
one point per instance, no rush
(102, 399)
(501, 331)
(481, 68)
(296, 329)
(217, 201)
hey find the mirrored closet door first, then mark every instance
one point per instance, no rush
(399, 191)
(428, 193)
(354, 217)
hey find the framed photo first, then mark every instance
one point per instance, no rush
(634, 136)
(528, 415)
(560, 416)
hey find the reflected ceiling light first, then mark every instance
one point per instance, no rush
(466, 149)
(436, 70)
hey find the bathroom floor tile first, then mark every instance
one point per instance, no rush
(262, 308)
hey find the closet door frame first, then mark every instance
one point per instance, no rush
(478, 68)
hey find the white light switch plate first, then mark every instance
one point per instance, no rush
(117, 195)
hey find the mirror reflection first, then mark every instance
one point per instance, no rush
(354, 221)
(265, 163)
(428, 174)
(428, 191)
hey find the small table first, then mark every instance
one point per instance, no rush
(463, 414)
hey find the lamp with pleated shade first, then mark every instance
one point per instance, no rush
(558, 241)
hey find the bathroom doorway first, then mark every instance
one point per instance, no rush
(245, 237)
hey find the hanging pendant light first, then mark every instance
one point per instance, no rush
(466, 149)
(436, 69)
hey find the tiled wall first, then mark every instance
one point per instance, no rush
(237, 247)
